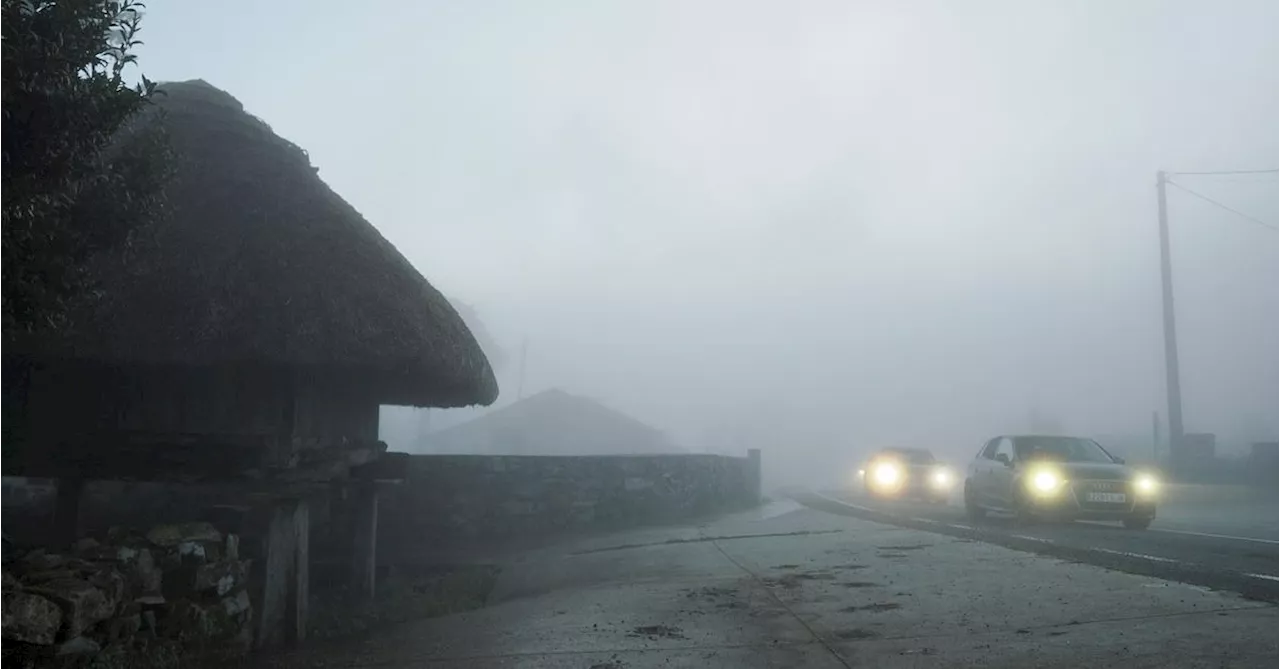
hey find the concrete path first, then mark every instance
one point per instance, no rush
(787, 586)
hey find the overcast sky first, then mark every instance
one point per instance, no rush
(823, 224)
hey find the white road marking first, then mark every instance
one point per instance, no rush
(1137, 555)
(1031, 538)
(958, 527)
(923, 520)
(1216, 536)
(1269, 578)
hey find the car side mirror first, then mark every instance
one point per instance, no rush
(1004, 459)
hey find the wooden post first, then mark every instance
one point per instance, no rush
(66, 514)
(364, 530)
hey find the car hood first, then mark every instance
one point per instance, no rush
(1098, 471)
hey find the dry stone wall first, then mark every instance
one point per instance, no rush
(462, 498)
(176, 589)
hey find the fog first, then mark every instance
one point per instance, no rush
(808, 227)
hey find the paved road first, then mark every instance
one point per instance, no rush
(1219, 541)
(788, 586)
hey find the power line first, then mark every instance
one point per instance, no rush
(1224, 172)
(1220, 205)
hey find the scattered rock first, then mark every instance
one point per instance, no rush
(168, 536)
(30, 618)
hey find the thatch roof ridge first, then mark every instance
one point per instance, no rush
(260, 262)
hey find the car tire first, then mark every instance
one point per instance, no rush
(971, 508)
(1137, 523)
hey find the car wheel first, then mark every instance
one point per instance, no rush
(971, 507)
(1137, 523)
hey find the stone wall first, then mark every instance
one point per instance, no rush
(464, 498)
(176, 589)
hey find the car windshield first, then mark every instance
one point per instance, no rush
(1065, 449)
(912, 455)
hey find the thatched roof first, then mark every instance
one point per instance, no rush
(552, 422)
(259, 263)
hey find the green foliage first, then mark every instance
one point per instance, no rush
(71, 185)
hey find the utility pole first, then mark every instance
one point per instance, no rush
(1173, 382)
(1155, 437)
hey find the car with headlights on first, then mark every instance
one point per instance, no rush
(897, 473)
(1054, 477)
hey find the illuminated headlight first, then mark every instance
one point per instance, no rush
(1146, 485)
(886, 474)
(941, 478)
(1046, 481)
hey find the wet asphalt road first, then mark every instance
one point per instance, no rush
(1224, 547)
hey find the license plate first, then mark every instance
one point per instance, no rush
(1106, 497)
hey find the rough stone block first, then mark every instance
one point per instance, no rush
(171, 535)
(11, 582)
(82, 604)
(238, 605)
(30, 618)
(78, 646)
(221, 577)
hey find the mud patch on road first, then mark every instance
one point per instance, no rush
(892, 556)
(850, 567)
(907, 547)
(658, 632)
(861, 584)
(786, 566)
(710, 592)
(855, 634)
(791, 581)
(877, 607)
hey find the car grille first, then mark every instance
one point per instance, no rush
(1083, 488)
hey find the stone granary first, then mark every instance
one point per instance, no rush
(248, 339)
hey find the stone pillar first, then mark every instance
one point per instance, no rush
(281, 532)
(364, 531)
(299, 591)
(753, 476)
(66, 514)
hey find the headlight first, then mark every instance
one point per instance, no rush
(886, 474)
(941, 478)
(1046, 481)
(1146, 485)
